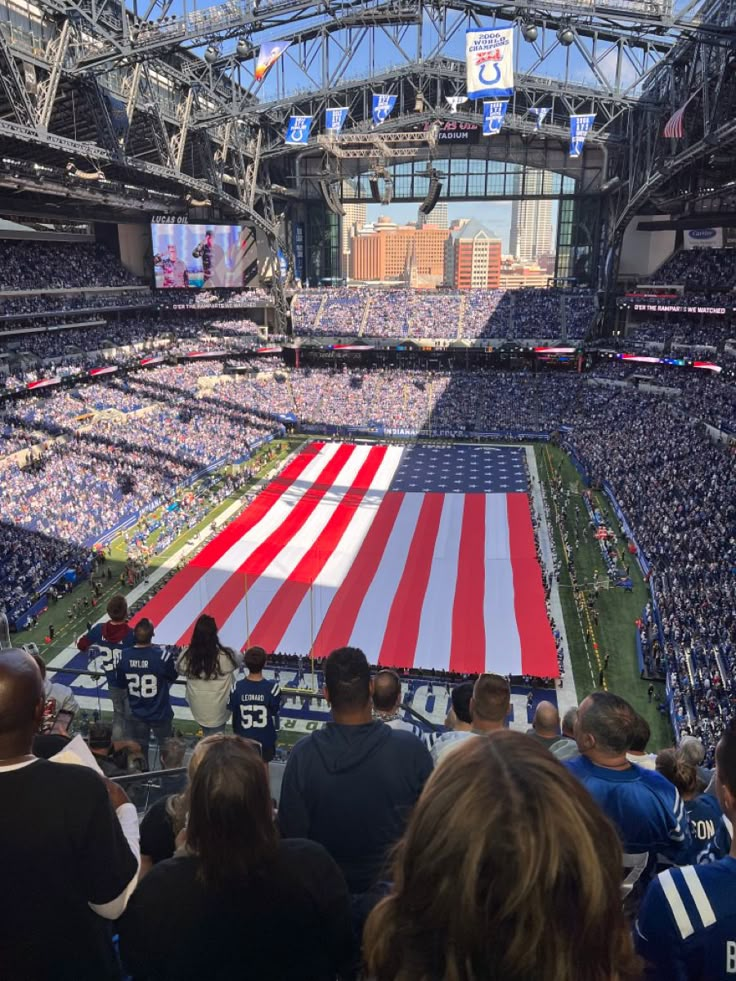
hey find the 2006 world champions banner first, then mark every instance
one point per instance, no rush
(489, 57)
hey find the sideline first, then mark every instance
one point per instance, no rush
(567, 697)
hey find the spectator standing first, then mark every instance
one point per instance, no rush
(387, 702)
(566, 748)
(687, 922)
(351, 785)
(148, 672)
(208, 667)
(255, 703)
(458, 721)
(644, 807)
(545, 725)
(639, 741)
(489, 710)
(703, 810)
(236, 871)
(60, 818)
(106, 642)
(507, 870)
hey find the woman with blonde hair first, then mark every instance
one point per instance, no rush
(508, 871)
(703, 810)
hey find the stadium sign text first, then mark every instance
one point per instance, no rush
(170, 219)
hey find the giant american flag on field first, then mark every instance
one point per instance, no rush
(422, 556)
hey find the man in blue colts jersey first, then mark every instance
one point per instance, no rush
(687, 925)
(147, 671)
(255, 703)
(645, 808)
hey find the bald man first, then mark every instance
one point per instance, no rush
(387, 702)
(545, 725)
(68, 848)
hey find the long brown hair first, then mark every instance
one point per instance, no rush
(508, 871)
(202, 658)
(231, 827)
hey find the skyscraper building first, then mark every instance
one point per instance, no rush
(472, 257)
(531, 218)
(354, 219)
(391, 252)
(437, 216)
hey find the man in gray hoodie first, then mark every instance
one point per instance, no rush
(351, 785)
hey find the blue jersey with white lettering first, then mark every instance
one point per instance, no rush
(148, 673)
(255, 706)
(646, 810)
(104, 643)
(686, 928)
(704, 813)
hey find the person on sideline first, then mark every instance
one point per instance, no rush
(508, 869)
(234, 874)
(208, 667)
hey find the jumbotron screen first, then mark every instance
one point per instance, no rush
(199, 256)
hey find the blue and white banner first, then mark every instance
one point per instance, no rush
(540, 114)
(489, 57)
(382, 107)
(335, 119)
(282, 263)
(493, 116)
(297, 133)
(580, 126)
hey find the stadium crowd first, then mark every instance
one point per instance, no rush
(699, 270)
(580, 853)
(449, 314)
(60, 265)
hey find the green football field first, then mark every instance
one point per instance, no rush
(614, 634)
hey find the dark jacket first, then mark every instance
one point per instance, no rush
(351, 788)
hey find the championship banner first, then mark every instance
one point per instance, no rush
(540, 114)
(580, 126)
(297, 132)
(335, 119)
(382, 107)
(489, 57)
(269, 54)
(282, 264)
(493, 117)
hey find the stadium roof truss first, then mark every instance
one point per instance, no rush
(153, 110)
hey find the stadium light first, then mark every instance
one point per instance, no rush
(566, 36)
(243, 48)
(529, 31)
(211, 55)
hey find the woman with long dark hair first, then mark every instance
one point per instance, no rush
(508, 871)
(236, 901)
(208, 667)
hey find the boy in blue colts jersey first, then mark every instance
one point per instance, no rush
(104, 642)
(255, 703)
(147, 671)
(687, 924)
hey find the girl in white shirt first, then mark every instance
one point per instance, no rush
(208, 668)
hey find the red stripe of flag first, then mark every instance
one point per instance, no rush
(538, 652)
(337, 626)
(468, 650)
(402, 627)
(166, 599)
(280, 611)
(228, 597)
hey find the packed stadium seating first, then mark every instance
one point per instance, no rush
(447, 314)
(699, 269)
